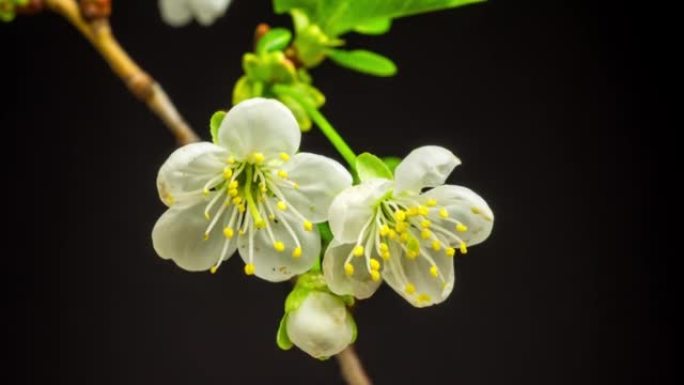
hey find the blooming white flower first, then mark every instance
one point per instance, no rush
(249, 191)
(393, 231)
(180, 12)
(321, 325)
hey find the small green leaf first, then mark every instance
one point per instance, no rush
(391, 162)
(369, 166)
(215, 123)
(364, 61)
(374, 26)
(276, 39)
(282, 339)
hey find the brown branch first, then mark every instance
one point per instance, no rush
(98, 32)
(351, 367)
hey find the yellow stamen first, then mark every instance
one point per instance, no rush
(461, 228)
(431, 202)
(409, 288)
(444, 213)
(282, 174)
(233, 185)
(297, 252)
(412, 254)
(279, 246)
(400, 215)
(233, 192)
(463, 248)
(249, 269)
(401, 227)
(257, 158)
(228, 232)
(227, 172)
(284, 156)
(422, 210)
(392, 234)
(434, 271)
(412, 211)
(425, 223)
(237, 200)
(260, 223)
(375, 275)
(436, 246)
(348, 269)
(308, 226)
(282, 206)
(385, 255)
(384, 230)
(383, 246)
(213, 269)
(358, 250)
(374, 264)
(425, 234)
(450, 251)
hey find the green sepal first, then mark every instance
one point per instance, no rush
(369, 166)
(374, 27)
(326, 233)
(348, 300)
(275, 39)
(364, 61)
(298, 111)
(355, 330)
(296, 297)
(242, 90)
(282, 339)
(215, 123)
(391, 162)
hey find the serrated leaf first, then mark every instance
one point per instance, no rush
(364, 61)
(282, 339)
(391, 162)
(275, 39)
(215, 123)
(374, 26)
(369, 166)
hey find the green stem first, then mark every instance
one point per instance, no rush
(326, 128)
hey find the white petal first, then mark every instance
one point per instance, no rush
(276, 266)
(321, 325)
(426, 166)
(465, 206)
(353, 208)
(320, 179)
(401, 272)
(179, 235)
(360, 284)
(259, 125)
(207, 11)
(188, 169)
(175, 13)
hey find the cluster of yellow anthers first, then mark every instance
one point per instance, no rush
(252, 200)
(412, 228)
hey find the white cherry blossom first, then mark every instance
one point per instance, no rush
(178, 13)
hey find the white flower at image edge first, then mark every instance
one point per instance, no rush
(251, 191)
(321, 326)
(394, 230)
(181, 12)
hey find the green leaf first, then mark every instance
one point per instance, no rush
(374, 27)
(215, 123)
(339, 16)
(391, 162)
(369, 166)
(276, 39)
(282, 339)
(364, 61)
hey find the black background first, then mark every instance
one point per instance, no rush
(545, 103)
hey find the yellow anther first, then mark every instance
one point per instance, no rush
(228, 232)
(461, 228)
(425, 234)
(375, 275)
(358, 250)
(413, 244)
(444, 213)
(282, 206)
(271, 217)
(434, 271)
(262, 187)
(284, 156)
(423, 298)
(431, 202)
(169, 199)
(249, 269)
(279, 246)
(401, 227)
(374, 264)
(231, 159)
(260, 223)
(205, 236)
(409, 289)
(241, 208)
(436, 246)
(422, 210)
(392, 234)
(463, 248)
(257, 158)
(241, 231)
(233, 185)
(237, 200)
(412, 254)
(383, 247)
(384, 230)
(450, 251)
(297, 252)
(233, 192)
(213, 269)
(475, 210)
(348, 269)
(425, 223)
(227, 172)
(308, 226)
(205, 191)
(403, 237)
(400, 215)
(412, 211)
(385, 255)
(282, 174)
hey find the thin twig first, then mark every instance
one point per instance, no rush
(143, 86)
(351, 367)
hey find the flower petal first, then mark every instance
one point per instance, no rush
(179, 235)
(276, 266)
(426, 166)
(207, 11)
(413, 280)
(465, 206)
(353, 208)
(360, 284)
(187, 170)
(259, 125)
(175, 13)
(319, 180)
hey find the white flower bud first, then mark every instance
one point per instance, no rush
(321, 325)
